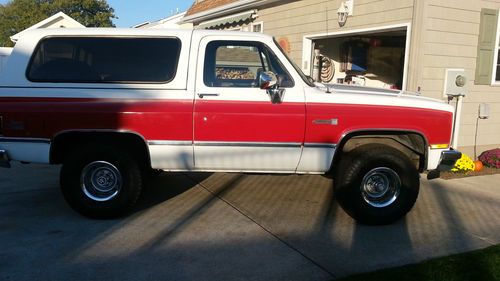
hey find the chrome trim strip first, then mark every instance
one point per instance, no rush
(242, 144)
(249, 144)
(28, 140)
(178, 143)
(333, 122)
(320, 145)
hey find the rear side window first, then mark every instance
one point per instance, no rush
(105, 60)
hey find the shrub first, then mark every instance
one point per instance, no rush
(463, 165)
(491, 158)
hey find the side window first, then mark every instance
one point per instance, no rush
(239, 64)
(104, 60)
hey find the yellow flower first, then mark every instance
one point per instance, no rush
(463, 165)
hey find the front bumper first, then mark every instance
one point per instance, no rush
(446, 162)
(4, 159)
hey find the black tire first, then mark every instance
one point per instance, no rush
(154, 173)
(363, 176)
(101, 181)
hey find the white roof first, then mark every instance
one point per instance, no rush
(36, 34)
(66, 21)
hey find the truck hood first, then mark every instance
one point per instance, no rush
(378, 96)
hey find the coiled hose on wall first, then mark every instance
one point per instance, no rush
(327, 69)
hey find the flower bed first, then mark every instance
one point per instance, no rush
(485, 171)
(491, 158)
(465, 167)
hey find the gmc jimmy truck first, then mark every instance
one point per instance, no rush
(113, 105)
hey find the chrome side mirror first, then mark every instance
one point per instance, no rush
(269, 82)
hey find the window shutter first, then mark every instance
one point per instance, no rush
(486, 46)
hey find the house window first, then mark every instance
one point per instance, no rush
(258, 27)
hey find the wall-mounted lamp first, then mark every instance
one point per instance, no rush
(345, 10)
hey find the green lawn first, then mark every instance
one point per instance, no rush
(481, 265)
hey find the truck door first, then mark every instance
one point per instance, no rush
(236, 126)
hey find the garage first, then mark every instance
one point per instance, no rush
(373, 58)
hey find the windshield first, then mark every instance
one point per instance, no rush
(299, 71)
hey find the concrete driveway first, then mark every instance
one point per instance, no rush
(231, 227)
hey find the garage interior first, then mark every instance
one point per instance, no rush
(375, 59)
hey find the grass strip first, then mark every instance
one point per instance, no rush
(481, 265)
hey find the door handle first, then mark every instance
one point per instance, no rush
(202, 95)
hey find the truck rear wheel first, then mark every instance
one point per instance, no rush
(376, 184)
(100, 181)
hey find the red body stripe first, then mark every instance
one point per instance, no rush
(242, 121)
(44, 118)
(435, 125)
(238, 121)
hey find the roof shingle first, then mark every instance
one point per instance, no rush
(201, 6)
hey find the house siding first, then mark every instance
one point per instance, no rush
(296, 19)
(450, 40)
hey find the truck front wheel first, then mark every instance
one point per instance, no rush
(100, 181)
(376, 184)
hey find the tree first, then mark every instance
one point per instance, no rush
(91, 13)
(18, 15)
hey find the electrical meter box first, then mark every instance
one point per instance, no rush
(455, 82)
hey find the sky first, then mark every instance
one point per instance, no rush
(132, 12)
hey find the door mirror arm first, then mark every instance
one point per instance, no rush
(268, 81)
(276, 94)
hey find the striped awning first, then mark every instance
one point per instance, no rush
(234, 19)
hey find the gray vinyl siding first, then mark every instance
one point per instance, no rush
(450, 35)
(296, 19)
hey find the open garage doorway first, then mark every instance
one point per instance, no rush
(373, 58)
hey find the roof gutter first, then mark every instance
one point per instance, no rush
(224, 10)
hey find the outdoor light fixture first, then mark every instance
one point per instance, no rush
(344, 11)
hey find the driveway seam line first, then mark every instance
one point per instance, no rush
(477, 236)
(265, 229)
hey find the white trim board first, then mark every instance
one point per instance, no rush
(495, 56)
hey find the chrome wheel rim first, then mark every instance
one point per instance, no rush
(381, 187)
(101, 181)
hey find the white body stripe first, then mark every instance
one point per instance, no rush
(434, 155)
(171, 157)
(246, 158)
(33, 152)
(316, 159)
